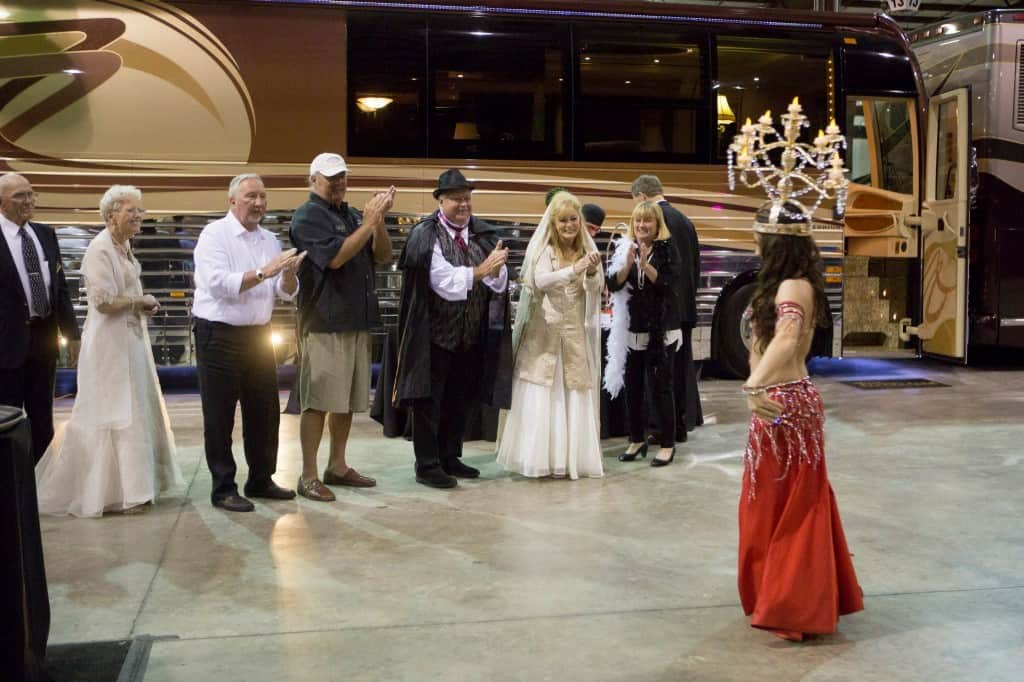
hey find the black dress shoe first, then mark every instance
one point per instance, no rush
(630, 456)
(655, 462)
(270, 491)
(435, 477)
(455, 467)
(234, 503)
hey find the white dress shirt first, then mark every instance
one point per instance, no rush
(224, 253)
(14, 244)
(454, 282)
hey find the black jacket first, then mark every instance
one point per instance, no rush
(654, 308)
(412, 376)
(14, 314)
(684, 236)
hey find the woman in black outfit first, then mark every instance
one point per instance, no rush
(651, 269)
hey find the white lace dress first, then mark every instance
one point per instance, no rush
(117, 450)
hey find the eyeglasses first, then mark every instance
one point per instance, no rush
(23, 196)
(135, 211)
(465, 199)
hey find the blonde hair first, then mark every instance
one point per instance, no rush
(559, 203)
(648, 209)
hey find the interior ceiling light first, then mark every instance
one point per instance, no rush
(369, 104)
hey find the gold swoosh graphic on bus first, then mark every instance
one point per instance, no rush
(143, 59)
(22, 71)
(50, 48)
(21, 45)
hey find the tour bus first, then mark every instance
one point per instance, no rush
(973, 70)
(178, 97)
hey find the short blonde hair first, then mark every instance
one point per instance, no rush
(114, 197)
(649, 209)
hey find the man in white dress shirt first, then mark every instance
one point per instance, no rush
(239, 269)
(34, 305)
(455, 340)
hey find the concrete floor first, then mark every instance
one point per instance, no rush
(630, 577)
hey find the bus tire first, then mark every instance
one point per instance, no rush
(733, 355)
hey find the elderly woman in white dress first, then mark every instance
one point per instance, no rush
(116, 452)
(553, 427)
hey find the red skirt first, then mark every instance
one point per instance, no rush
(795, 571)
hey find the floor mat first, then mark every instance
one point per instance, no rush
(906, 382)
(118, 661)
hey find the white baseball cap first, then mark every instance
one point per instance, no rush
(328, 165)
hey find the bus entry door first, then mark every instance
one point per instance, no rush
(944, 235)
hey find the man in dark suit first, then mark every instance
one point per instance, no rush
(684, 236)
(34, 307)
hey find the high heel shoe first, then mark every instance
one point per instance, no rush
(655, 462)
(631, 456)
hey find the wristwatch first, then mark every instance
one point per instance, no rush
(259, 275)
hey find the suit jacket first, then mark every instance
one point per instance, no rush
(14, 329)
(684, 236)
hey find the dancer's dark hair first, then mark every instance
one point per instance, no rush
(783, 257)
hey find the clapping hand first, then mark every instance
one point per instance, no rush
(496, 259)
(645, 254)
(588, 262)
(292, 264)
(288, 261)
(379, 204)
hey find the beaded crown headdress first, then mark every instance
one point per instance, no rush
(814, 169)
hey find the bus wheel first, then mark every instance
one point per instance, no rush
(733, 333)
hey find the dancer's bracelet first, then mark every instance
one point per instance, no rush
(753, 390)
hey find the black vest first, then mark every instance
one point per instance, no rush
(457, 323)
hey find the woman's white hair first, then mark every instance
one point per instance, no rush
(238, 180)
(115, 196)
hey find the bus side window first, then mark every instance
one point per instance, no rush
(387, 82)
(498, 88)
(760, 74)
(640, 94)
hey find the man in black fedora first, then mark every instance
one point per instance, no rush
(455, 340)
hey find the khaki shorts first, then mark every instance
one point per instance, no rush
(335, 374)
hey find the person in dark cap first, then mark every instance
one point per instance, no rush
(593, 218)
(455, 339)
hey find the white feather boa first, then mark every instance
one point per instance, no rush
(618, 334)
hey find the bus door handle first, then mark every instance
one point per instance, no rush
(927, 221)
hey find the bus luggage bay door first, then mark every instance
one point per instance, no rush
(943, 324)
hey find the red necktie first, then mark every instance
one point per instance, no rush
(459, 241)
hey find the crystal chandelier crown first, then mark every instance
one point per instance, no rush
(814, 169)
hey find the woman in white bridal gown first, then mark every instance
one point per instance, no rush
(117, 451)
(553, 427)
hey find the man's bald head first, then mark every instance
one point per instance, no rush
(17, 200)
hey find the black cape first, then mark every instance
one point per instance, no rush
(412, 372)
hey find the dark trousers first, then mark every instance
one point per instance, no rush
(237, 364)
(688, 409)
(439, 422)
(24, 602)
(659, 378)
(31, 385)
